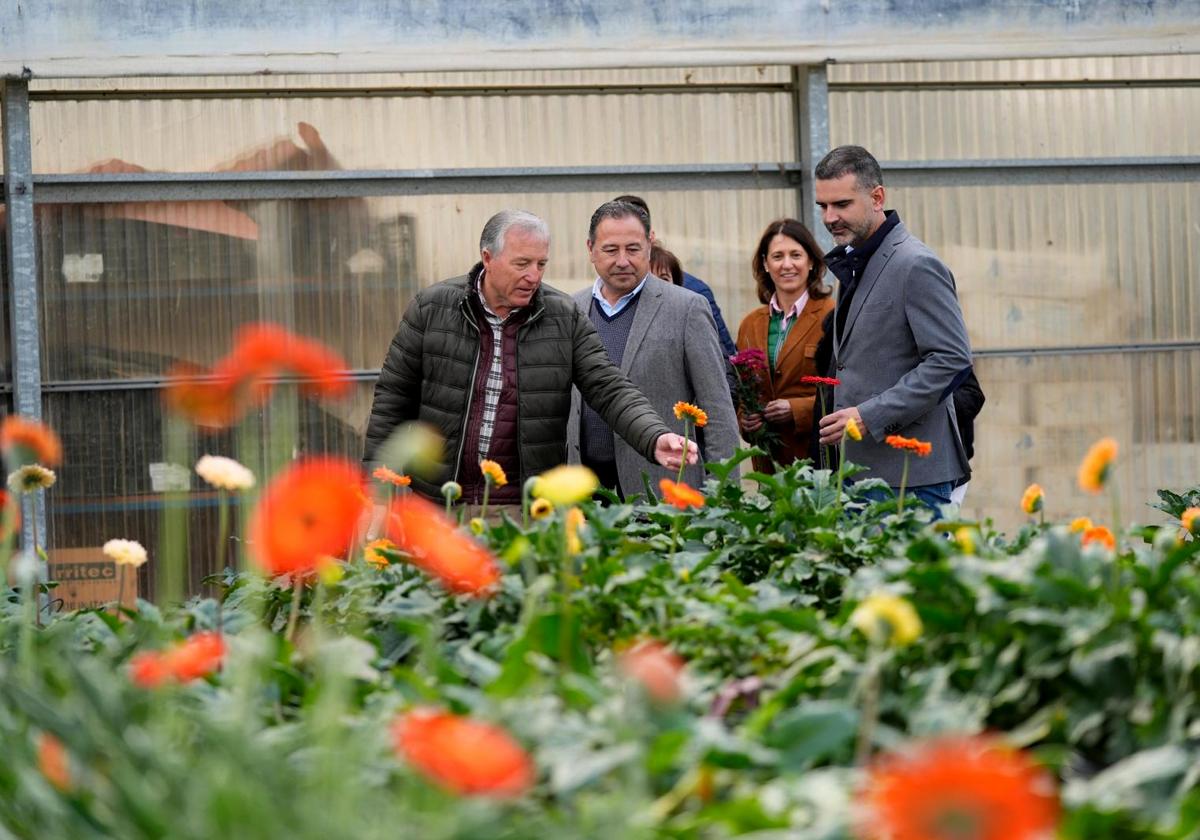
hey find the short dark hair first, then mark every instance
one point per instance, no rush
(636, 201)
(660, 257)
(618, 210)
(854, 160)
(797, 231)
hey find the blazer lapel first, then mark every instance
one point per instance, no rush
(648, 304)
(875, 267)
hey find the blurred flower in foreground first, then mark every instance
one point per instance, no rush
(656, 667)
(31, 478)
(125, 552)
(885, 618)
(390, 476)
(1096, 467)
(680, 495)
(373, 552)
(573, 522)
(26, 441)
(441, 549)
(1100, 535)
(310, 510)
(1080, 524)
(191, 659)
(852, 430)
(224, 473)
(541, 508)
(965, 537)
(1033, 499)
(957, 788)
(467, 757)
(566, 485)
(10, 515)
(1190, 520)
(53, 761)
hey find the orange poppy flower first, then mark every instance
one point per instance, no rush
(1100, 535)
(309, 510)
(920, 448)
(438, 548)
(209, 402)
(53, 761)
(958, 787)
(697, 415)
(467, 757)
(656, 667)
(680, 495)
(390, 476)
(195, 657)
(1096, 465)
(26, 441)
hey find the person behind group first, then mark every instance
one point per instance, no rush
(788, 272)
(665, 265)
(900, 347)
(662, 337)
(691, 283)
(489, 360)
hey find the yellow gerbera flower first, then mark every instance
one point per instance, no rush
(566, 485)
(1080, 524)
(1190, 519)
(852, 430)
(885, 618)
(965, 537)
(541, 508)
(493, 473)
(373, 552)
(574, 522)
(697, 415)
(1097, 464)
(1033, 499)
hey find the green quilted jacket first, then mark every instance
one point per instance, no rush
(433, 359)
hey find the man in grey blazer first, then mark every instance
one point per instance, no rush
(663, 338)
(900, 347)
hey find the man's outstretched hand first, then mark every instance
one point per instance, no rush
(668, 451)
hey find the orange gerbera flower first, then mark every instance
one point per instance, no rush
(440, 549)
(1190, 520)
(680, 495)
(373, 552)
(26, 441)
(1080, 524)
(1100, 536)
(1033, 499)
(309, 510)
(191, 659)
(697, 415)
(10, 515)
(391, 477)
(656, 667)
(920, 448)
(53, 761)
(1096, 466)
(195, 395)
(493, 472)
(958, 787)
(465, 756)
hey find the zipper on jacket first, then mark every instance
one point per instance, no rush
(462, 437)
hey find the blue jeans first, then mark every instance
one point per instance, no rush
(931, 494)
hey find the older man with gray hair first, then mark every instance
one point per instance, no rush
(489, 358)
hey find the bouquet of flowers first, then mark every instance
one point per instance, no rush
(748, 367)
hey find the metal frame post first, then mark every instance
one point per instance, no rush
(810, 113)
(24, 323)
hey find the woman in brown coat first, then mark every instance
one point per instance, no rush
(789, 271)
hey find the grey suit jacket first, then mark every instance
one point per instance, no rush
(672, 354)
(904, 344)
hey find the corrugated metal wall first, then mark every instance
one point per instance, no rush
(1046, 266)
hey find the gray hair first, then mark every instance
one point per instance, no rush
(854, 160)
(618, 209)
(497, 227)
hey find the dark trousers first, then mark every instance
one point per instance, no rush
(606, 471)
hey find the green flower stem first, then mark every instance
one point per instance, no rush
(297, 588)
(841, 468)
(487, 486)
(903, 484)
(121, 588)
(564, 613)
(675, 536)
(870, 707)
(222, 540)
(37, 552)
(823, 449)
(687, 427)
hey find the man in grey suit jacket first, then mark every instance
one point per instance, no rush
(900, 347)
(663, 338)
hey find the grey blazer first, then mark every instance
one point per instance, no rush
(672, 354)
(903, 347)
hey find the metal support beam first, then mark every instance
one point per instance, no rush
(810, 108)
(250, 186)
(1033, 172)
(22, 273)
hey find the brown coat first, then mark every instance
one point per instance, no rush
(797, 359)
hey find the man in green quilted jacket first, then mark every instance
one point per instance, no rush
(488, 359)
